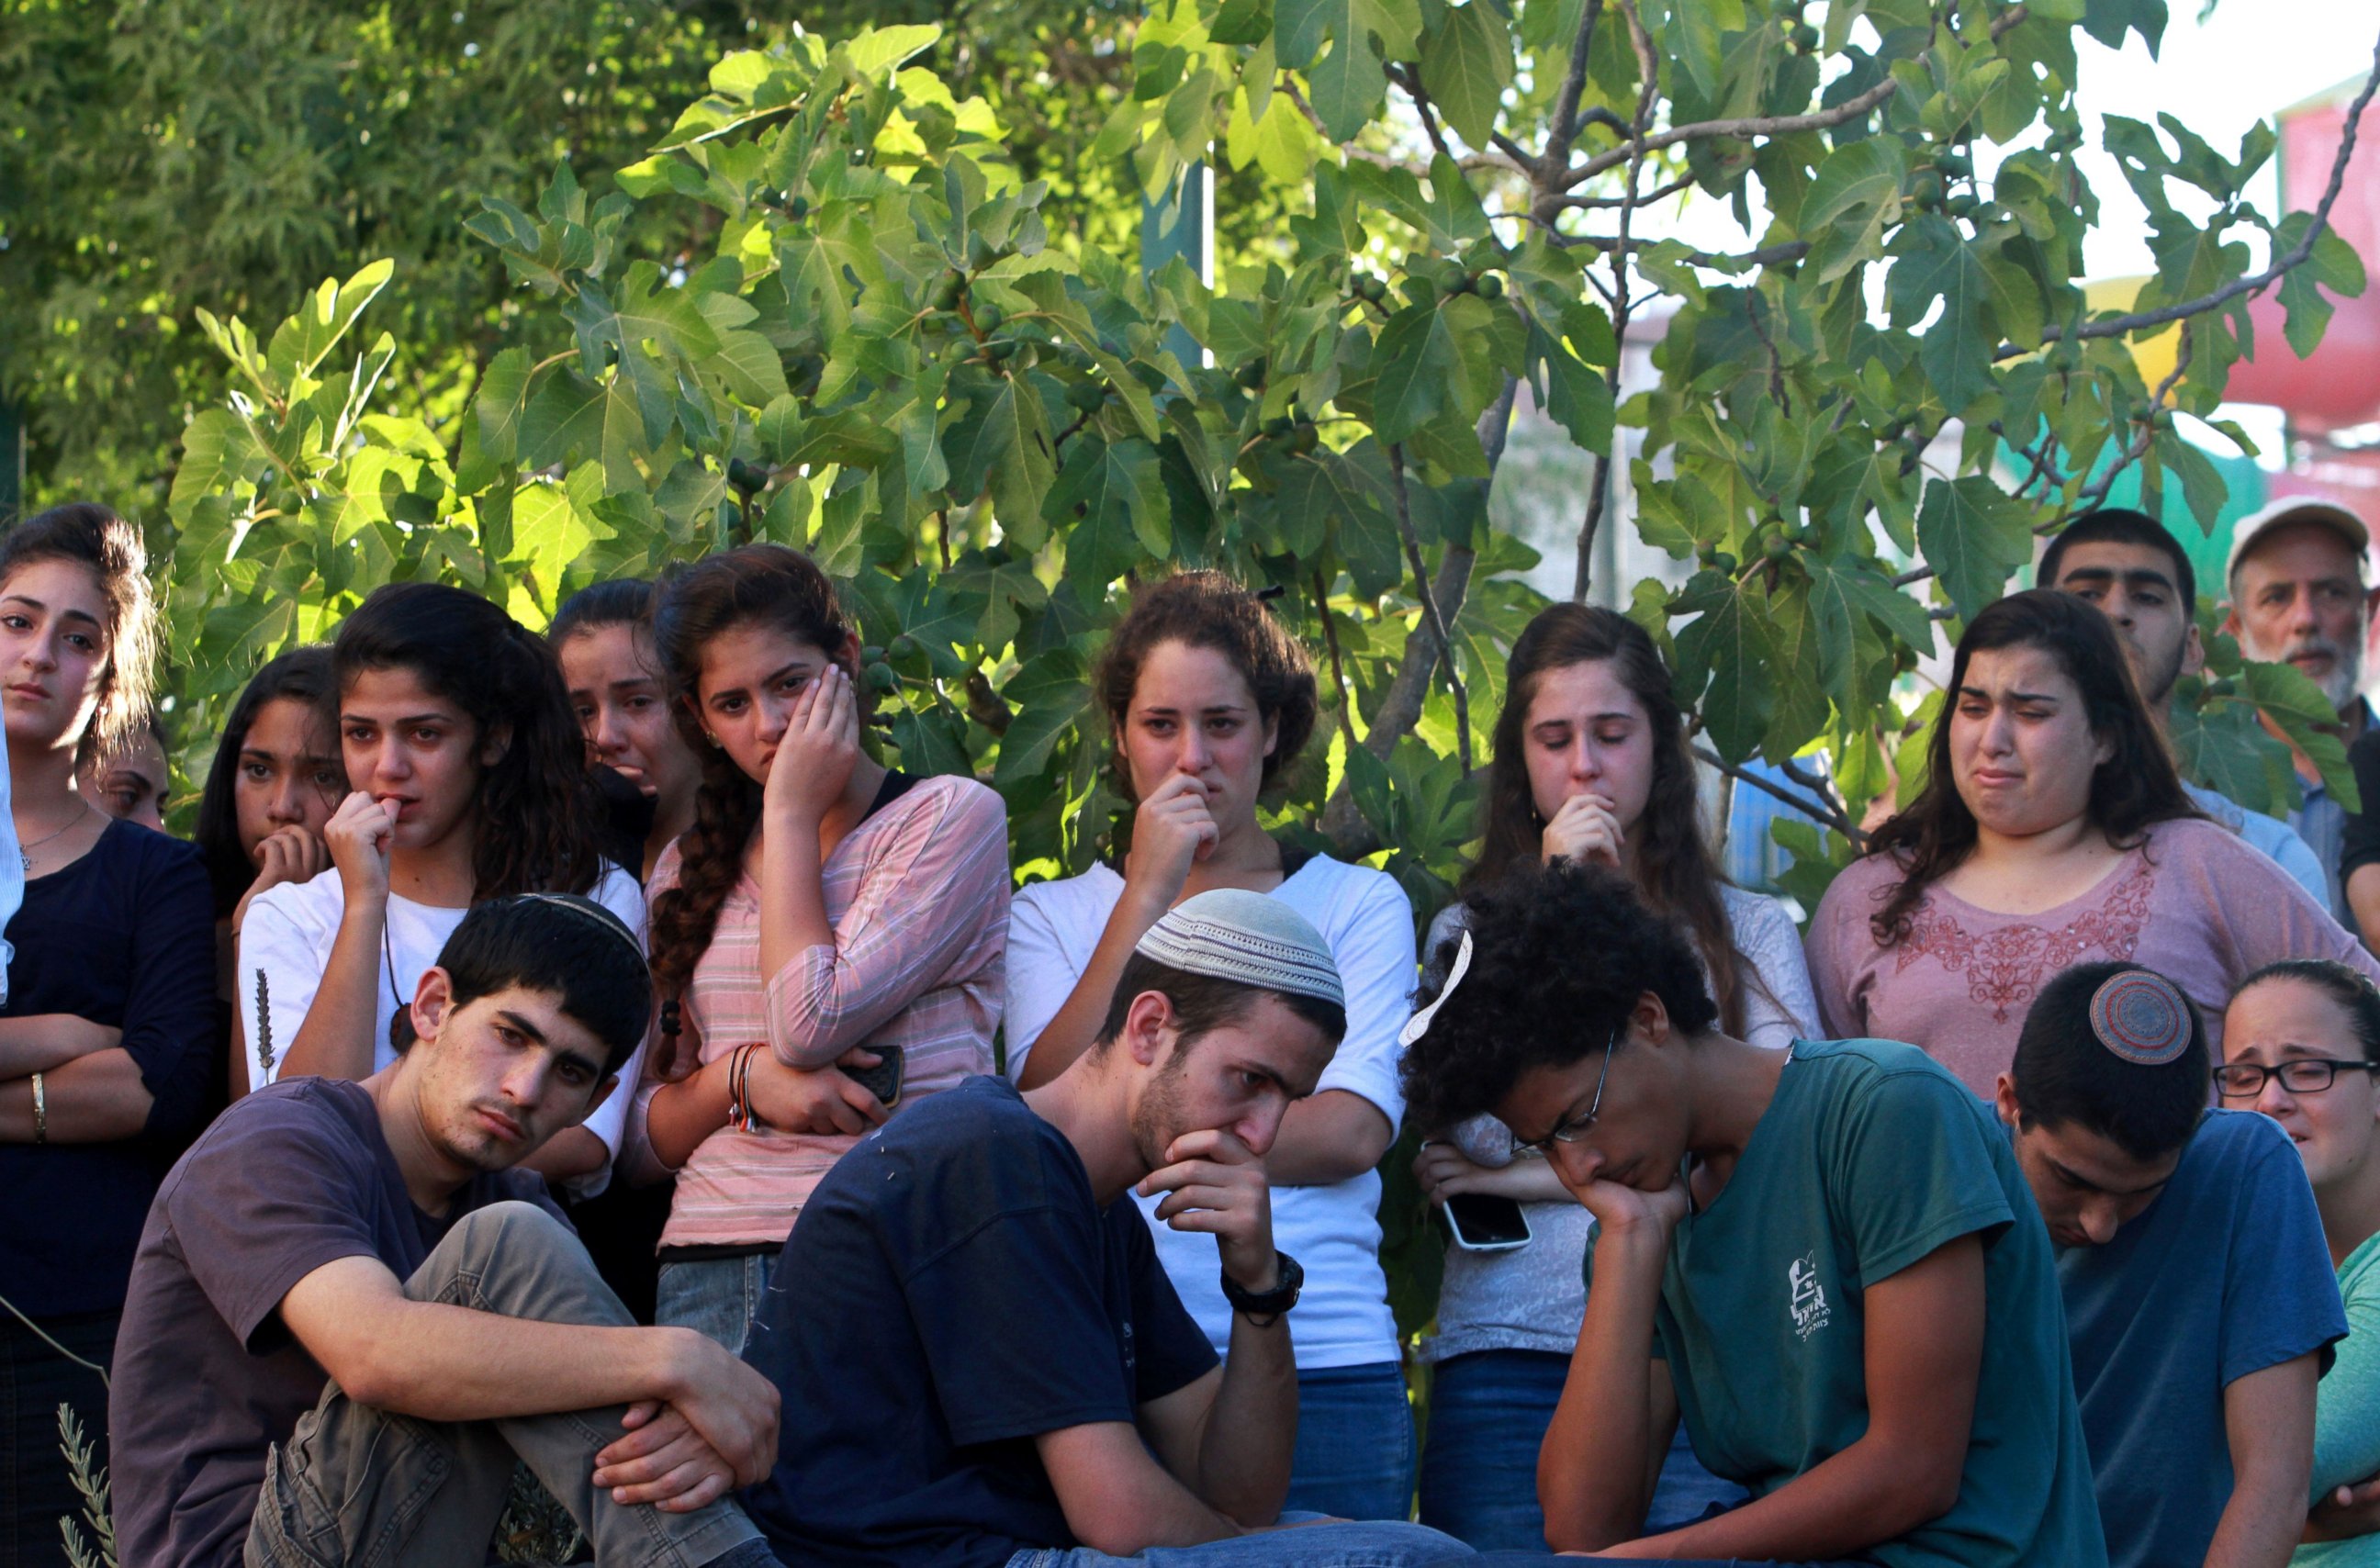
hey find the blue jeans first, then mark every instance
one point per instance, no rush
(715, 1296)
(1488, 1411)
(1355, 1454)
(1376, 1544)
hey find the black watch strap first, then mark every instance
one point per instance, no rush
(1271, 1303)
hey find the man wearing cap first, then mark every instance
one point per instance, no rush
(985, 1365)
(2201, 1304)
(2296, 577)
(2128, 565)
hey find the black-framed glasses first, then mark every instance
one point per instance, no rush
(2302, 1075)
(1577, 1127)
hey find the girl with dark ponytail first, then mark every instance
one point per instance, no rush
(469, 783)
(829, 932)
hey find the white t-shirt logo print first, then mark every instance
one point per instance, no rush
(1806, 1297)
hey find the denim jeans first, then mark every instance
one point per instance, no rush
(715, 1296)
(1488, 1411)
(358, 1487)
(35, 1490)
(1355, 1454)
(1373, 1544)
(1540, 1560)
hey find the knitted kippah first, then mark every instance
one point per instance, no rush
(2141, 1017)
(1249, 937)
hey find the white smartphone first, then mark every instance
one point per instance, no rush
(1481, 1222)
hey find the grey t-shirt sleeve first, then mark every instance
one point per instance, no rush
(255, 1214)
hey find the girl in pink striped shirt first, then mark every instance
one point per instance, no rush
(825, 921)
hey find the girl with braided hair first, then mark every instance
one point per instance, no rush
(828, 936)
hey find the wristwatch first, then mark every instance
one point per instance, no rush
(1267, 1304)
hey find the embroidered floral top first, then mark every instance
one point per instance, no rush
(2193, 903)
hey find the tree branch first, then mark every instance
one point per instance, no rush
(1820, 809)
(1663, 193)
(1409, 78)
(1337, 670)
(2115, 326)
(1741, 129)
(1745, 127)
(1438, 624)
(1470, 162)
(2096, 492)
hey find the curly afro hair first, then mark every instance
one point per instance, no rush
(1560, 955)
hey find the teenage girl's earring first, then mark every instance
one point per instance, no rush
(712, 738)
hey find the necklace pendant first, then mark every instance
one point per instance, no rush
(26, 859)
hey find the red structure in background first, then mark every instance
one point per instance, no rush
(2338, 387)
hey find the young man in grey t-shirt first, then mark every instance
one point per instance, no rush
(349, 1313)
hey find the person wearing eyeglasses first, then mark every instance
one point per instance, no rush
(2200, 1306)
(2301, 1043)
(1823, 1258)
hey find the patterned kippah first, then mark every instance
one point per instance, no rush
(1257, 939)
(2141, 1017)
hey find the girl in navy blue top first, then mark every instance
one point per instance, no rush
(107, 1035)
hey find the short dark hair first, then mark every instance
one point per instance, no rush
(1208, 609)
(2066, 1077)
(618, 602)
(564, 945)
(1560, 955)
(2121, 525)
(1205, 1003)
(2356, 995)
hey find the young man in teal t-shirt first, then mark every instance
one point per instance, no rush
(2200, 1300)
(1824, 1258)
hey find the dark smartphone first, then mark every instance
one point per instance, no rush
(883, 1080)
(1484, 1222)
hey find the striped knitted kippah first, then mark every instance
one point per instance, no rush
(1249, 937)
(2141, 1017)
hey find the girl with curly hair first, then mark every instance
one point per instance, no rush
(829, 930)
(1208, 700)
(1591, 766)
(468, 782)
(2052, 831)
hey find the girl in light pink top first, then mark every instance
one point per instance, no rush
(825, 924)
(2052, 831)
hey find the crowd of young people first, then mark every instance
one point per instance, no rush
(631, 1077)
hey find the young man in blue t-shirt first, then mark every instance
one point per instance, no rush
(2200, 1300)
(983, 1364)
(1823, 1258)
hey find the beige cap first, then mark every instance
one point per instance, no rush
(2293, 509)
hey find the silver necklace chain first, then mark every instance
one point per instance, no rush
(25, 851)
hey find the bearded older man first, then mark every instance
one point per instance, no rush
(2297, 596)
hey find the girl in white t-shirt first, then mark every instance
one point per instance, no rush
(469, 783)
(1590, 765)
(1208, 700)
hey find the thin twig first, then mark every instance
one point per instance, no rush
(1621, 300)
(1409, 78)
(1663, 193)
(1819, 811)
